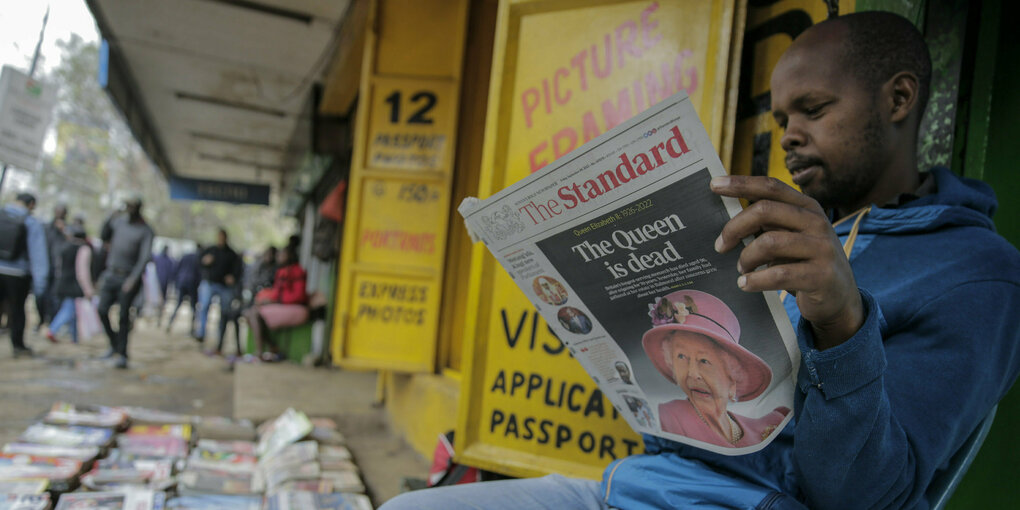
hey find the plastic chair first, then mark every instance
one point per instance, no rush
(943, 485)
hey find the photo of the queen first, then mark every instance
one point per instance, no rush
(695, 344)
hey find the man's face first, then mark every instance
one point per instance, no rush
(699, 368)
(221, 238)
(833, 131)
(133, 207)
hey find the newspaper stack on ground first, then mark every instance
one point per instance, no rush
(614, 244)
(130, 500)
(24, 501)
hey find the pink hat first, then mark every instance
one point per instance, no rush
(705, 314)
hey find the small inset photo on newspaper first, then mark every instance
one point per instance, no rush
(549, 290)
(574, 320)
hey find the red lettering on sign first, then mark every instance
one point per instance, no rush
(398, 240)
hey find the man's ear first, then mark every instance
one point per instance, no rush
(903, 89)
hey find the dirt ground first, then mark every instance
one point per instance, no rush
(170, 372)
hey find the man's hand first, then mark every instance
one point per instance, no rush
(799, 251)
(128, 286)
(207, 259)
(229, 280)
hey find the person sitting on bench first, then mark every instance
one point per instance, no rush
(282, 306)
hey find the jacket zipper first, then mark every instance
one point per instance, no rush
(609, 479)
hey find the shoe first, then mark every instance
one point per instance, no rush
(51, 338)
(109, 354)
(120, 363)
(249, 358)
(270, 357)
(23, 352)
(212, 353)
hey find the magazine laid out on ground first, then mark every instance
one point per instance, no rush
(614, 245)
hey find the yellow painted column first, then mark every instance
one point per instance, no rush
(399, 201)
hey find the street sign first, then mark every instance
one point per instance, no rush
(182, 188)
(26, 106)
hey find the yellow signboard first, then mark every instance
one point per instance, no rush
(395, 236)
(398, 222)
(410, 124)
(565, 71)
(398, 314)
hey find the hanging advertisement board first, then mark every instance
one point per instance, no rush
(26, 106)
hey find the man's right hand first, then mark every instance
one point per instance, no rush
(798, 251)
(207, 259)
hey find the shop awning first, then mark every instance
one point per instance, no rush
(218, 89)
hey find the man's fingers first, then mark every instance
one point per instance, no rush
(755, 188)
(780, 247)
(790, 277)
(768, 215)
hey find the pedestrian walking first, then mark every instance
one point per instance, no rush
(221, 271)
(130, 246)
(24, 265)
(186, 277)
(47, 303)
(164, 273)
(72, 280)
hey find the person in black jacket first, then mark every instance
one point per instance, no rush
(71, 280)
(221, 271)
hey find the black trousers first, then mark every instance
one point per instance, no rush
(14, 291)
(110, 292)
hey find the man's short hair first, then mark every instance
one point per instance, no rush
(26, 198)
(881, 44)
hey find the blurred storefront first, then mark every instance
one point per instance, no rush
(422, 103)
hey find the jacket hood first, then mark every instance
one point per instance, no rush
(957, 202)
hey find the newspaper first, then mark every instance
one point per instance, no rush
(127, 500)
(614, 245)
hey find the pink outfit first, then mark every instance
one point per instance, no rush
(83, 270)
(279, 316)
(679, 417)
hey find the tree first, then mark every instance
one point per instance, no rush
(97, 161)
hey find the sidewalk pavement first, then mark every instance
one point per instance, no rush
(169, 372)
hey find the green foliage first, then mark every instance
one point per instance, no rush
(97, 163)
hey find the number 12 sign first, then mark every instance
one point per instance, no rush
(411, 125)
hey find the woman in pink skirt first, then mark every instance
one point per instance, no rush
(282, 306)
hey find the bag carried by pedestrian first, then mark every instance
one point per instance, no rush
(13, 236)
(150, 282)
(88, 319)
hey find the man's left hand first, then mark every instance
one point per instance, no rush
(797, 250)
(127, 286)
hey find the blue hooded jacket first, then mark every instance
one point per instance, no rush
(35, 261)
(880, 415)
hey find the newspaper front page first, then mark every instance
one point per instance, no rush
(614, 245)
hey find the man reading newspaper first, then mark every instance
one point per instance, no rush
(903, 297)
